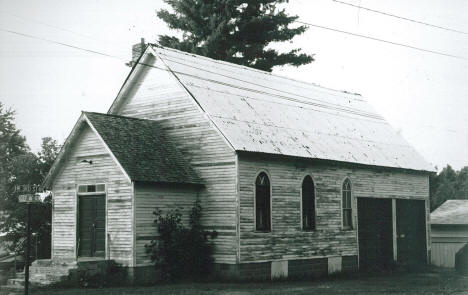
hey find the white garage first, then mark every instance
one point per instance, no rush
(449, 232)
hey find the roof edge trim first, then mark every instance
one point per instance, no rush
(282, 156)
(195, 100)
(138, 65)
(107, 148)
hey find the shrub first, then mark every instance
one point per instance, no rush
(181, 251)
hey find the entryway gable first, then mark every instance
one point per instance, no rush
(89, 179)
(82, 128)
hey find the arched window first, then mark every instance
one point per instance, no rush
(262, 203)
(346, 204)
(308, 203)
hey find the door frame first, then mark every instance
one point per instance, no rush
(77, 216)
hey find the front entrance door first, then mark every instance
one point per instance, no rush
(91, 242)
(375, 233)
(411, 232)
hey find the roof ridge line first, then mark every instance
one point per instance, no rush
(257, 70)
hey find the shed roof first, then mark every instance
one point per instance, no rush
(260, 112)
(142, 149)
(451, 212)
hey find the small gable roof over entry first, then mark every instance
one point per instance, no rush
(140, 147)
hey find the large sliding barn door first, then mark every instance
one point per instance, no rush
(375, 234)
(411, 232)
(91, 230)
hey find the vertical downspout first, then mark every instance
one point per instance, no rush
(394, 229)
(133, 263)
(238, 258)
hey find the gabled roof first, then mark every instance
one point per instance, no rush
(140, 147)
(257, 111)
(451, 212)
(143, 149)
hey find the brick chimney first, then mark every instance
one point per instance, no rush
(137, 51)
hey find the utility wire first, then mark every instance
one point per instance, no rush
(319, 102)
(46, 24)
(60, 43)
(401, 17)
(337, 108)
(385, 41)
(162, 69)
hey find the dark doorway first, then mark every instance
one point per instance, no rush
(91, 242)
(375, 232)
(411, 232)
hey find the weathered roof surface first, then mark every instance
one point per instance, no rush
(142, 149)
(260, 112)
(451, 212)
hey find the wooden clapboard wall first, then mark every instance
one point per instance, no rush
(447, 240)
(287, 240)
(119, 189)
(156, 95)
(150, 197)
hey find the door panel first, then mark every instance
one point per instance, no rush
(91, 226)
(411, 232)
(375, 233)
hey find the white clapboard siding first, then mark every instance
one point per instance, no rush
(103, 170)
(158, 96)
(447, 240)
(287, 240)
(151, 197)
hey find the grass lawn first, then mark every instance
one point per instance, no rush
(400, 283)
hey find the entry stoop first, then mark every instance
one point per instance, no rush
(42, 272)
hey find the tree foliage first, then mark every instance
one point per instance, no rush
(448, 185)
(236, 31)
(180, 251)
(18, 165)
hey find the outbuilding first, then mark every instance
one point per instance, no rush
(449, 232)
(297, 179)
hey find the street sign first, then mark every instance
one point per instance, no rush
(28, 188)
(30, 198)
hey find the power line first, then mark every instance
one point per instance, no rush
(338, 108)
(401, 17)
(152, 66)
(56, 42)
(47, 25)
(385, 41)
(319, 102)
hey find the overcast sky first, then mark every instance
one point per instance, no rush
(424, 96)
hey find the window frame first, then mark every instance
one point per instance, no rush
(255, 203)
(351, 225)
(302, 204)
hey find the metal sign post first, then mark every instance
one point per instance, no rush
(28, 199)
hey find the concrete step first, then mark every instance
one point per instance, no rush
(35, 283)
(60, 270)
(11, 290)
(19, 275)
(15, 281)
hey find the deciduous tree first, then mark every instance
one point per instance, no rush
(18, 165)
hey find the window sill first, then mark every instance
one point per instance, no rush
(347, 229)
(262, 231)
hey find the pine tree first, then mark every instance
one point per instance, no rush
(233, 30)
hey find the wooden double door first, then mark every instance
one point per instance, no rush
(91, 226)
(377, 236)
